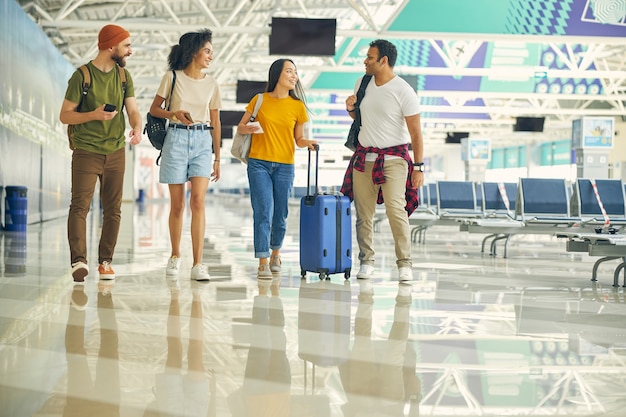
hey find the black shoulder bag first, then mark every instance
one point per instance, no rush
(353, 134)
(155, 127)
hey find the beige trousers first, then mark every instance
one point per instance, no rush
(365, 195)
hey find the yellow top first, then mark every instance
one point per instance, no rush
(278, 118)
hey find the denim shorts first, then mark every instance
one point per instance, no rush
(186, 154)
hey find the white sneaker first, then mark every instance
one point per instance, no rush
(200, 273)
(264, 272)
(79, 271)
(365, 272)
(405, 273)
(173, 266)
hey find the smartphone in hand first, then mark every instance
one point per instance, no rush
(109, 107)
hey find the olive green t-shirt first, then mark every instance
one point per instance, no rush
(100, 136)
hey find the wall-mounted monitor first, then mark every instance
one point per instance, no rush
(227, 132)
(247, 89)
(455, 137)
(304, 37)
(230, 117)
(529, 124)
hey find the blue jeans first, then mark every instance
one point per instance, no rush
(270, 188)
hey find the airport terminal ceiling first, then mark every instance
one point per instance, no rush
(476, 65)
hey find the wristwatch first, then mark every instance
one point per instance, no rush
(418, 166)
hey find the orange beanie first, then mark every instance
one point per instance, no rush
(111, 35)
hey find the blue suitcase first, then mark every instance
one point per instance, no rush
(325, 231)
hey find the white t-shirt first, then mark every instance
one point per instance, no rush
(383, 110)
(196, 96)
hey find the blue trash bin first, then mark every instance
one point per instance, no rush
(15, 209)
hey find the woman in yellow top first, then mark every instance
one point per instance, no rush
(282, 116)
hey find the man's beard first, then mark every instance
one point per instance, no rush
(120, 60)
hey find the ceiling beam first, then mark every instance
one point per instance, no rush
(137, 24)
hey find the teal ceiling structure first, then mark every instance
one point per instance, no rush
(476, 65)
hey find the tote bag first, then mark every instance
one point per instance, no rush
(241, 143)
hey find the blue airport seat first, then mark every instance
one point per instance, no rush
(478, 190)
(432, 195)
(493, 200)
(612, 195)
(544, 200)
(457, 199)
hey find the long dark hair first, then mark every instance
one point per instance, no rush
(274, 74)
(189, 44)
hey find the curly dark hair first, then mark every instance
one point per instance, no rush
(189, 44)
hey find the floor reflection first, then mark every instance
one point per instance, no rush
(266, 387)
(379, 376)
(178, 391)
(472, 335)
(96, 394)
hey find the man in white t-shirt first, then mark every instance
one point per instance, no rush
(381, 168)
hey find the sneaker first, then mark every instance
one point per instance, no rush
(173, 266)
(200, 273)
(365, 272)
(405, 273)
(275, 264)
(264, 272)
(79, 271)
(105, 270)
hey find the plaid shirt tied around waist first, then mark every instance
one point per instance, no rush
(378, 173)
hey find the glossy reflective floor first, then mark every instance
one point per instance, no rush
(472, 335)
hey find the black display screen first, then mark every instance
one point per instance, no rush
(248, 89)
(304, 37)
(529, 124)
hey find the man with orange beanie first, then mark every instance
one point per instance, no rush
(98, 145)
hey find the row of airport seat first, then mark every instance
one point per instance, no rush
(541, 202)
(531, 206)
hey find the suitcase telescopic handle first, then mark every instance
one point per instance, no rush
(308, 177)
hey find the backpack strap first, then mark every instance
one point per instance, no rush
(86, 83)
(123, 81)
(122, 78)
(84, 69)
(359, 96)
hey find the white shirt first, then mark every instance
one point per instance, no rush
(383, 112)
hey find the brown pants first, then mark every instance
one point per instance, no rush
(87, 168)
